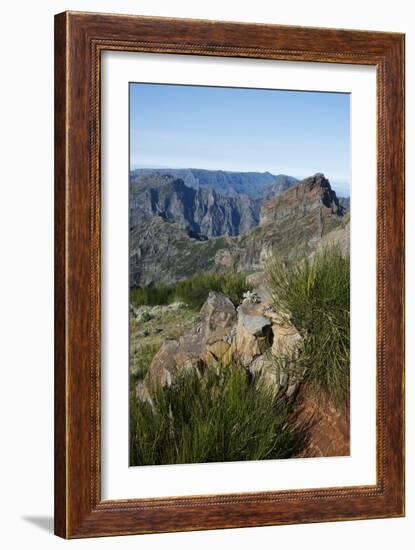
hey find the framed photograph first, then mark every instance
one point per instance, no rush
(229, 275)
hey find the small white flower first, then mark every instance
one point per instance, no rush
(250, 297)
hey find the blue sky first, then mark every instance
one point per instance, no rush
(283, 132)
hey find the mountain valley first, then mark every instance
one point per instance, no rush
(178, 231)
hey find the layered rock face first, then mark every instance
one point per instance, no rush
(204, 212)
(311, 194)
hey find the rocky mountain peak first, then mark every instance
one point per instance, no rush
(312, 193)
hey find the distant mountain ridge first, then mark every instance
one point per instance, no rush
(202, 211)
(292, 224)
(224, 182)
(204, 202)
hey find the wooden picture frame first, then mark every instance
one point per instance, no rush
(79, 40)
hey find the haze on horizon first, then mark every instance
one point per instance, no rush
(241, 130)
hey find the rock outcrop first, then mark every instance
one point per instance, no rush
(252, 336)
(311, 194)
(255, 337)
(218, 316)
(205, 344)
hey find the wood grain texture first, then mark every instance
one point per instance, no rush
(79, 40)
(60, 277)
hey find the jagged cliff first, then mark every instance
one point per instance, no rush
(311, 194)
(203, 212)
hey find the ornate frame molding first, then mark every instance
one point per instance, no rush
(79, 40)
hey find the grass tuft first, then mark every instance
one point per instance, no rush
(218, 416)
(315, 296)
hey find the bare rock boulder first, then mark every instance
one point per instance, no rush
(253, 336)
(218, 316)
(257, 325)
(265, 369)
(286, 339)
(205, 344)
(244, 347)
(216, 353)
(218, 349)
(163, 366)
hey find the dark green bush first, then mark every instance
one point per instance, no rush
(150, 296)
(193, 291)
(219, 416)
(315, 296)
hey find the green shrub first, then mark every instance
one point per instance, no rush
(219, 416)
(193, 291)
(150, 296)
(145, 317)
(315, 296)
